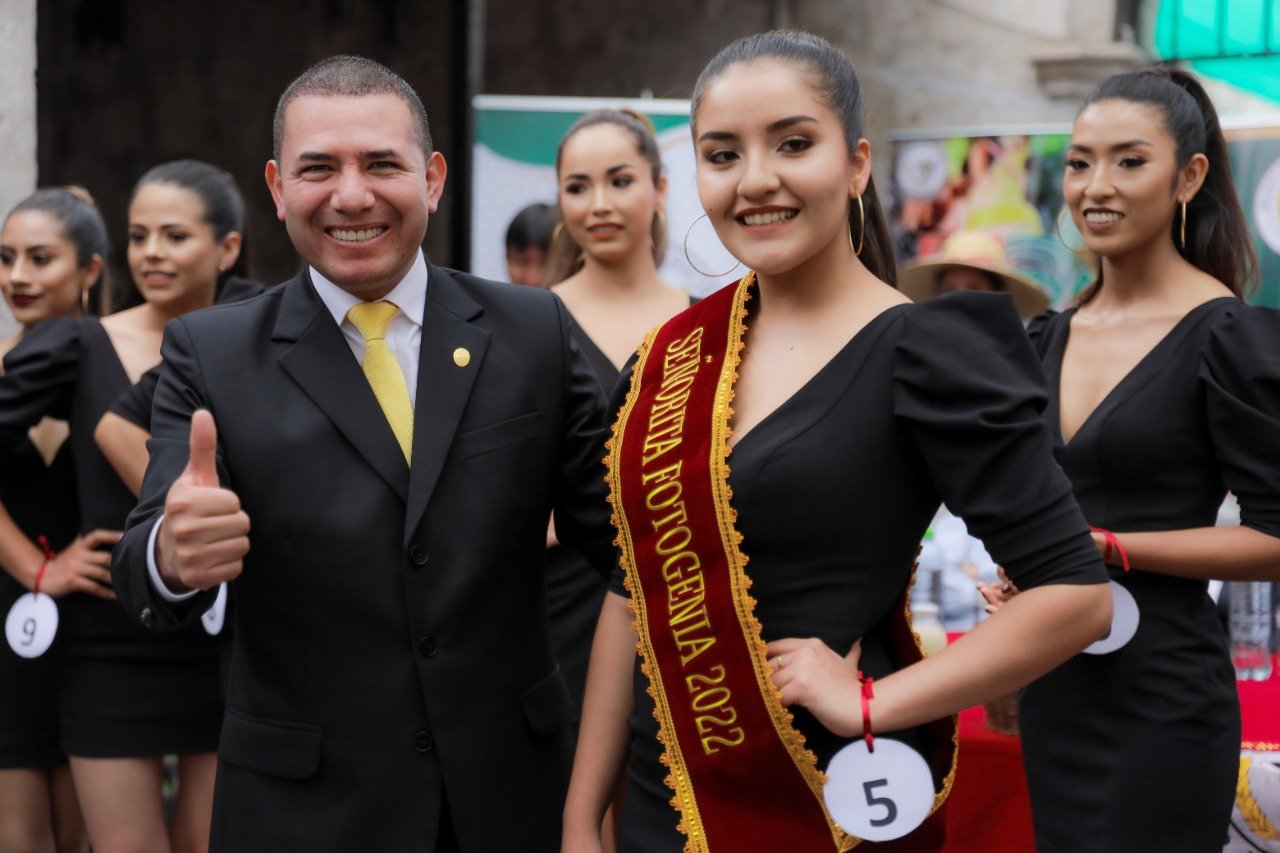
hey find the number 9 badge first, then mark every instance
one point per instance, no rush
(31, 624)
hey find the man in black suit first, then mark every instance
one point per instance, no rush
(392, 681)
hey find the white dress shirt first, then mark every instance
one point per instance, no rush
(404, 338)
(404, 334)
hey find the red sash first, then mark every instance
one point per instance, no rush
(742, 776)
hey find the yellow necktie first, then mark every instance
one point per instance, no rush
(383, 371)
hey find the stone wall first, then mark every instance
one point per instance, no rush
(17, 112)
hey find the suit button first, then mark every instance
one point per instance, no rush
(427, 646)
(418, 555)
(422, 741)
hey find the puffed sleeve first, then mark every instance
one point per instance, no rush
(134, 405)
(969, 389)
(39, 378)
(1240, 370)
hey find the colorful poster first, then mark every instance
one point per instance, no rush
(1007, 184)
(1010, 183)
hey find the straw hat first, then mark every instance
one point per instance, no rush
(980, 251)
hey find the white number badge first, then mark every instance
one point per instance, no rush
(32, 624)
(878, 795)
(1124, 622)
(216, 614)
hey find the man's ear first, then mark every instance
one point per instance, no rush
(275, 185)
(437, 169)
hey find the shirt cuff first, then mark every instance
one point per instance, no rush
(154, 571)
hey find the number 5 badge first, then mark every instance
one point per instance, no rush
(878, 795)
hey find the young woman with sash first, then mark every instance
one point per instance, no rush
(1164, 393)
(53, 248)
(779, 450)
(603, 262)
(127, 695)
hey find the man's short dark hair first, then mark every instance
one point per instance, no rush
(351, 76)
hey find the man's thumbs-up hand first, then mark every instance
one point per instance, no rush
(205, 534)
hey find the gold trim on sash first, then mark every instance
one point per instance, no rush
(749, 629)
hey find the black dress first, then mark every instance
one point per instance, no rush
(575, 591)
(122, 690)
(41, 498)
(1139, 749)
(834, 490)
(134, 405)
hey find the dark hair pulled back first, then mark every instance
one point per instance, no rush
(834, 79)
(218, 194)
(1218, 240)
(73, 209)
(78, 218)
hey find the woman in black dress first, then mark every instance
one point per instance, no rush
(603, 262)
(853, 413)
(1163, 395)
(126, 695)
(53, 247)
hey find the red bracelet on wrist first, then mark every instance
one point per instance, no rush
(868, 693)
(1111, 539)
(49, 555)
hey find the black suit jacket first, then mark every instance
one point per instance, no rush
(391, 647)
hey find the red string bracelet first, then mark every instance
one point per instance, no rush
(49, 555)
(867, 695)
(1112, 539)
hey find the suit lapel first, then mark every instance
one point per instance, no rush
(443, 385)
(320, 361)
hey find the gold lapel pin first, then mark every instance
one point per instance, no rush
(461, 357)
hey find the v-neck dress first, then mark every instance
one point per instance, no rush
(575, 591)
(834, 489)
(122, 689)
(1139, 749)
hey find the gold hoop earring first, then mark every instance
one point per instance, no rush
(84, 301)
(1057, 229)
(1182, 231)
(736, 262)
(862, 228)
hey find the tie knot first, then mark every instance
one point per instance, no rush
(372, 318)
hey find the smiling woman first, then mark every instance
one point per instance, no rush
(778, 451)
(606, 246)
(1162, 397)
(52, 250)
